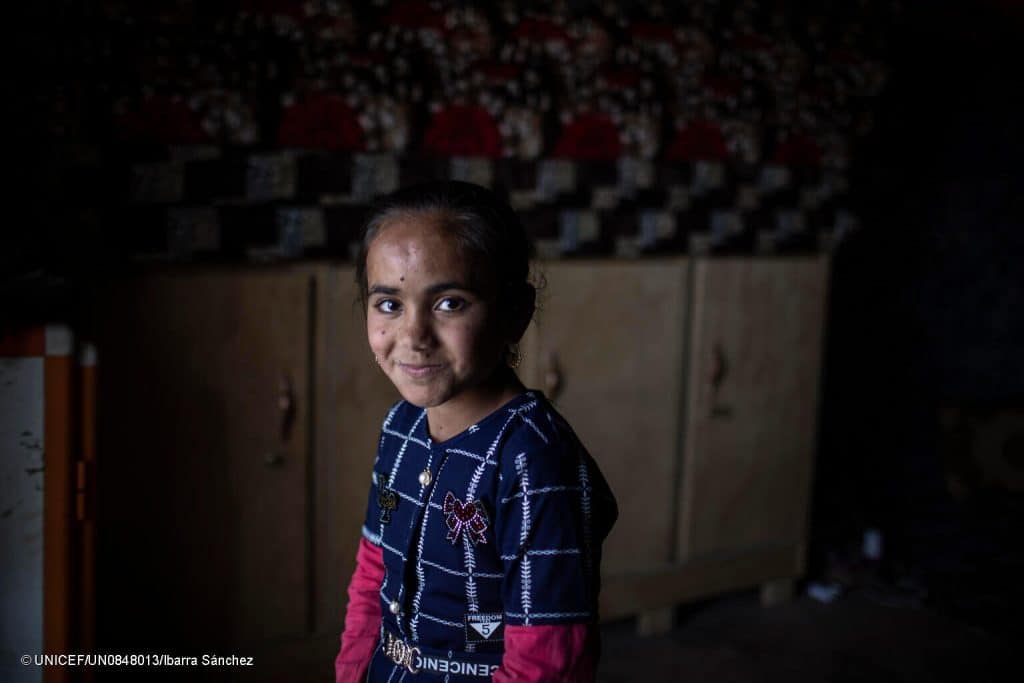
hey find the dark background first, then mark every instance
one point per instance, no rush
(926, 307)
(925, 304)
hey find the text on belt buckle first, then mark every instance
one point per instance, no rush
(399, 652)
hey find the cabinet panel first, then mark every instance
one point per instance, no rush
(614, 333)
(205, 443)
(354, 396)
(753, 395)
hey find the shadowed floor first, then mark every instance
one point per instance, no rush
(856, 638)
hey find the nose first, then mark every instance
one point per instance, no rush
(417, 330)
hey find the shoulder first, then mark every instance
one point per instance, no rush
(540, 442)
(542, 455)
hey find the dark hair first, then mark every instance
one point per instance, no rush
(486, 229)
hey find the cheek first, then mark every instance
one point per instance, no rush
(379, 337)
(473, 339)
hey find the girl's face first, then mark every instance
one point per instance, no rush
(433, 330)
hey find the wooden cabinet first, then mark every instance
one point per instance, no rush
(238, 423)
(240, 411)
(354, 396)
(611, 334)
(694, 383)
(751, 416)
(205, 396)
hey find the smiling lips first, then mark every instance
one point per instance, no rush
(419, 371)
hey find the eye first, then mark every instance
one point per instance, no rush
(387, 306)
(451, 304)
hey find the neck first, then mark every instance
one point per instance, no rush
(472, 405)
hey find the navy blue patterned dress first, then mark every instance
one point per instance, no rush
(501, 524)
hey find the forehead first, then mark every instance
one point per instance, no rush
(416, 245)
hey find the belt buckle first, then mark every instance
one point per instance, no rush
(399, 652)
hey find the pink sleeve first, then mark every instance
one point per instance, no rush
(362, 618)
(564, 652)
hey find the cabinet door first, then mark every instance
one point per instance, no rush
(753, 396)
(614, 333)
(205, 515)
(353, 395)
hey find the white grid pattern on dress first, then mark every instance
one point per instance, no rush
(546, 615)
(406, 439)
(534, 426)
(439, 620)
(553, 551)
(455, 572)
(421, 579)
(524, 533)
(401, 452)
(472, 600)
(538, 491)
(527, 557)
(588, 559)
(541, 553)
(472, 605)
(474, 456)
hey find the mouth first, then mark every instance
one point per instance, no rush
(420, 371)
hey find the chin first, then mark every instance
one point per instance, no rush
(423, 396)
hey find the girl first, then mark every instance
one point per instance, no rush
(481, 550)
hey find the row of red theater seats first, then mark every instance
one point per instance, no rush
(327, 121)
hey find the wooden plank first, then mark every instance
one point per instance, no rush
(325, 362)
(614, 333)
(753, 395)
(86, 494)
(58, 511)
(631, 594)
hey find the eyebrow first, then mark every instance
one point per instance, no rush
(432, 289)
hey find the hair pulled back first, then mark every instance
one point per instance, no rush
(485, 228)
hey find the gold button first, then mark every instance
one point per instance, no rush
(394, 607)
(425, 478)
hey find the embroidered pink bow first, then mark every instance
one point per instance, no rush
(470, 516)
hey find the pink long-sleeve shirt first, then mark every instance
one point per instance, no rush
(566, 652)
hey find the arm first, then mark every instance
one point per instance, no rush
(564, 652)
(551, 519)
(363, 617)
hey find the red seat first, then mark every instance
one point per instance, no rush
(323, 121)
(698, 140)
(159, 119)
(798, 149)
(589, 136)
(415, 14)
(465, 130)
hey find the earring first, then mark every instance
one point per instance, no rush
(376, 359)
(514, 357)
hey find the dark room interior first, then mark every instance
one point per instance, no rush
(778, 251)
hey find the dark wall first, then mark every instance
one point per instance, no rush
(927, 306)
